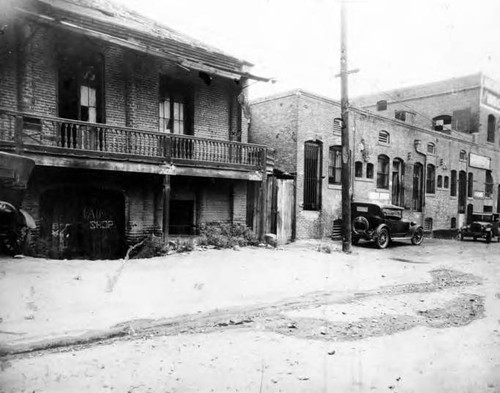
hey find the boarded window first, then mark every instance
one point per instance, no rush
(463, 155)
(312, 175)
(461, 120)
(441, 123)
(337, 126)
(358, 169)
(335, 165)
(431, 148)
(383, 172)
(384, 137)
(491, 128)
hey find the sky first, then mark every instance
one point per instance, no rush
(393, 43)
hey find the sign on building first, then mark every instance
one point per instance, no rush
(477, 161)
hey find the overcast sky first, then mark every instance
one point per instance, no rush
(394, 43)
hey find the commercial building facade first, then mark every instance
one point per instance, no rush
(432, 149)
(134, 128)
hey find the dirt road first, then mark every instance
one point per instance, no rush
(407, 319)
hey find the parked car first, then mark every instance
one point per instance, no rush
(14, 227)
(483, 226)
(382, 223)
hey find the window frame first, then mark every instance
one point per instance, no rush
(430, 179)
(312, 184)
(383, 171)
(384, 137)
(335, 165)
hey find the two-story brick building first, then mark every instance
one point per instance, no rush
(439, 161)
(134, 128)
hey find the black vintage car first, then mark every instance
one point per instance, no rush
(483, 226)
(382, 223)
(15, 171)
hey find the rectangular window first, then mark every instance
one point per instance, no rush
(400, 115)
(453, 186)
(172, 108)
(358, 169)
(335, 165)
(383, 172)
(312, 176)
(431, 179)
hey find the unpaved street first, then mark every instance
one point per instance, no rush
(305, 318)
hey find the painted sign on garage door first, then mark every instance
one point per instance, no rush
(83, 223)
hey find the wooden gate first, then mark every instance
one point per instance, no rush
(281, 209)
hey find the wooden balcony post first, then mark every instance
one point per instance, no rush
(166, 206)
(263, 198)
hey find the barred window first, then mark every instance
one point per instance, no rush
(384, 137)
(312, 175)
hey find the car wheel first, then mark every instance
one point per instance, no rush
(418, 237)
(383, 238)
(360, 225)
(488, 237)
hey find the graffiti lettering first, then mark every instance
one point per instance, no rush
(105, 224)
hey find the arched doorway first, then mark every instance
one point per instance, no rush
(82, 222)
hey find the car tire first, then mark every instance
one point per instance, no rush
(360, 225)
(488, 237)
(383, 238)
(418, 237)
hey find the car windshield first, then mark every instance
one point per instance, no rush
(484, 217)
(392, 213)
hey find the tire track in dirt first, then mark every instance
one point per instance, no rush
(272, 317)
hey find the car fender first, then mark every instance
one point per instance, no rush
(379, 228)
(413, 228)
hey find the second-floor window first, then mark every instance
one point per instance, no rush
(173, 112)
(491, 128)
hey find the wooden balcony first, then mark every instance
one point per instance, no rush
(43, 136)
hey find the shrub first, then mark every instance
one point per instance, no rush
(225, 235)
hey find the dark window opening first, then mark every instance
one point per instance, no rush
(440, 181)
(488, 185)
(381, 105)
(335, 165)
(181, 218)
(453, 186)
(174, 107)
(428, 224)
(431, 148)
(369, 171)
(383, 172)
(400, 115)
(463, 155)
(398, 172)
(470, 185)
(358, 169)
(418, 179)
(312, 175)
(491, 128)
(488, 209)
(431, 179)
(453, 222)
(462, 191)
(446, 182)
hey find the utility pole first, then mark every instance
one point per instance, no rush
(346, 151)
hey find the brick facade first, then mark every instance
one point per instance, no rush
(310, 117)
(29, 80)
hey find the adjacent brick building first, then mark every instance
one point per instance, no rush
(433, 149)
(134, 128)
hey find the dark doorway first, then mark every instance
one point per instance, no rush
(181, 218)
(470, 210)
(80, 222)
(462, 191)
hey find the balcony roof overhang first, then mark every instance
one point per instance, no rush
(213, 63)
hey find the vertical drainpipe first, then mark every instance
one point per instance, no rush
(417, 144)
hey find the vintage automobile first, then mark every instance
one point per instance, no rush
(382, 223)
(483, 225)
(15, 223)
(14, 226)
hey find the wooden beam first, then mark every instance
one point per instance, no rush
(166, 206)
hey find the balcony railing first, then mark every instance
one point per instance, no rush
(57, 136)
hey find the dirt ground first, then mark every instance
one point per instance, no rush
(301, 318)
